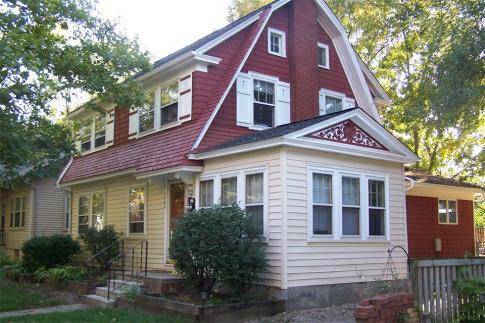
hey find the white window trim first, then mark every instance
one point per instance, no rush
(334, 94)
(447, 213)
(145, 214)
(327, 54)
(157, 113)
(282, 34)
(337, 174)
(67, 212)
(265, 78)
(90, 208)
(197, 190)
(93, 134)
(13, 210)
(241, 189)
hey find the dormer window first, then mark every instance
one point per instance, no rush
(99, 130)
(93, 133)
(276, 42)
(169, 96)
(323, 56)
(147, 113)
(264, 103)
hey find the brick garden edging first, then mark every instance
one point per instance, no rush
(386, 308)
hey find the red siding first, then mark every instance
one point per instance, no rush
(300, 68)
(122, 116)
(423, 229)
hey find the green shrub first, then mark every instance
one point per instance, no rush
(98, 240)
(472, 290)
(14, 271)
(60, 274)
(48, 251)
(218, 244)
(4, 259)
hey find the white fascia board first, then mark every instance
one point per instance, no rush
(348, 58)
(64, 171)
(234, 77)
(98, 178)
(213, 43)
(190, 57)
(381, 94)
(191, 169)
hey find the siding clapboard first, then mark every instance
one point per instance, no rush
(48, 207)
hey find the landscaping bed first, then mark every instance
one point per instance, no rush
(204, 313)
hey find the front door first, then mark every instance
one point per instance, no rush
(177, 204)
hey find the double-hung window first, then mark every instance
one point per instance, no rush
(85, 138)
(83, 218)
(229, 191)
(350, 206)
(322, 204)
(377, 207)
(99, 130)
(147, 115)
(206, 193)
(169, 96)
(276, 42)
(136, 209)
(91, 211)
(17, 212)
(255, 199)
(447, 213)
(323, 56)
(264, 103)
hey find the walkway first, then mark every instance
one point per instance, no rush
(46, 310)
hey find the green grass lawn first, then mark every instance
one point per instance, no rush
(97, 315)
(17, 296)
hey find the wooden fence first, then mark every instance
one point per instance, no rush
(433, 285)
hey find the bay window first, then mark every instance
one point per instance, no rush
(447, 213)
(322, 204)
(377, 208)
(136, 209)
(350, 206)
(255, 200)
(206, 193)
(147, 116)
(169, 96)
(264, 103)
(229, 191)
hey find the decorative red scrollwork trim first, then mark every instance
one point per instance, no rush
(347, 132)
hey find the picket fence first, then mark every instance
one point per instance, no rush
(433, 285)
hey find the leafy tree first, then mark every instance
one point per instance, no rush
(428, 55)
(50, 50)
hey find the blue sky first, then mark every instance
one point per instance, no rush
(166, 25)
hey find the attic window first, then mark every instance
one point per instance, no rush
(276, 42)
(323, 56)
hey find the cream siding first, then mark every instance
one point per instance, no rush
(332, 262)
(48, 208)
(270, 159)
(116, 213)
(15, 237)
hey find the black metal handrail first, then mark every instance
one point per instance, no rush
(112, 266)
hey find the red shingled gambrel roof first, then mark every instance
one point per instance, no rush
(167, 148)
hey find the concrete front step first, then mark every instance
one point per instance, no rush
(98, 301)
(103, 291)
(117, 283)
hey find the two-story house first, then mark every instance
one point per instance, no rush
(277, 113)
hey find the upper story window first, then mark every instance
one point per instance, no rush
(323, 56)
(447, 213)
(93, 133)
(17, 212)
(331, 101)
(147, 115)
(264, 103)
(169, 96)
(276, 42)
